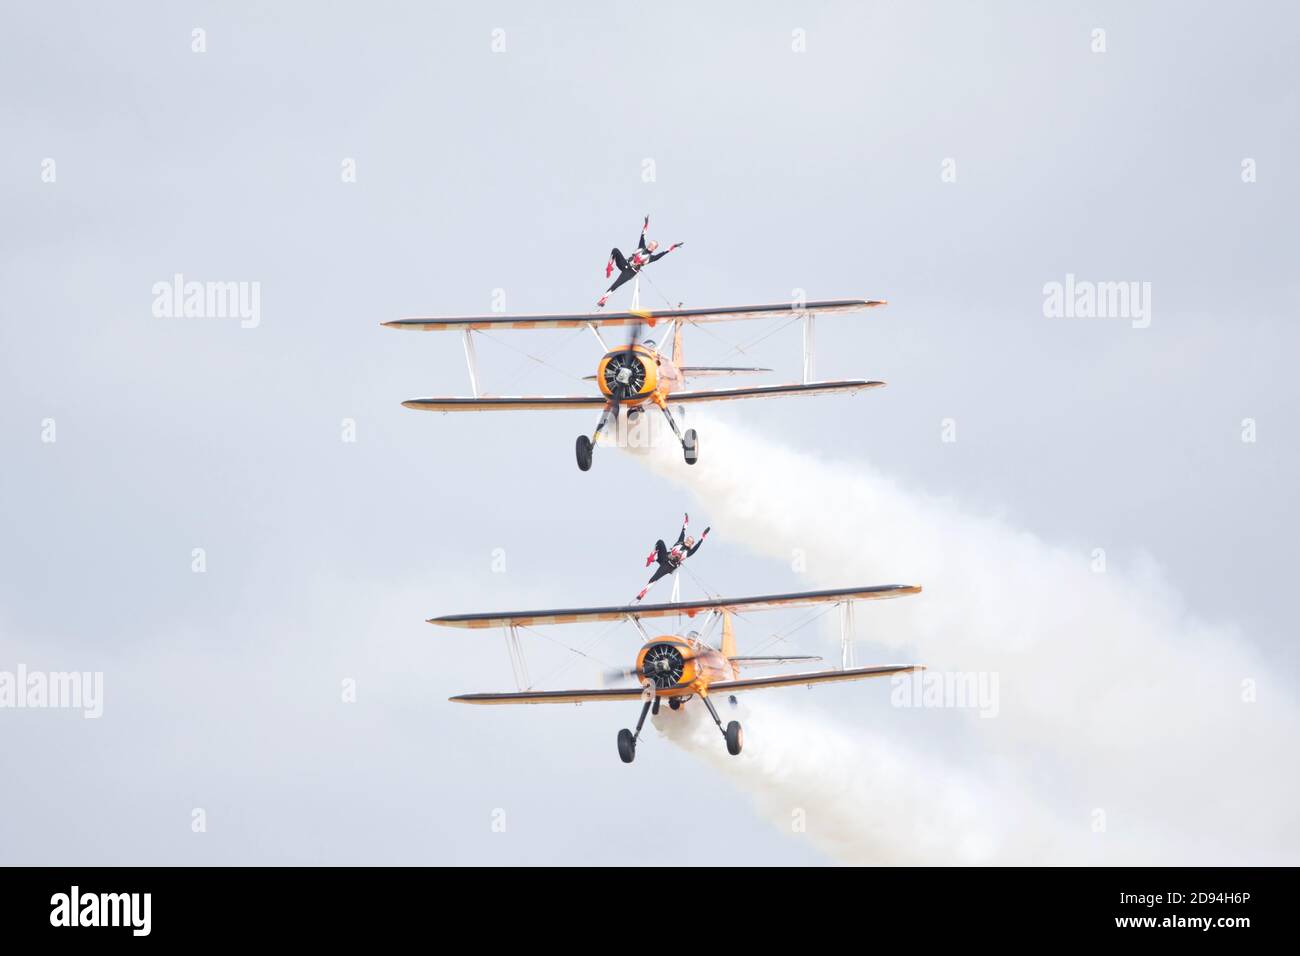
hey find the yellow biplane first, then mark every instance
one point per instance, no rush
(637, 374)
(676, 667)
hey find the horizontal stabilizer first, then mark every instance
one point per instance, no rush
(815, 677)
(699, 371)
(753, 661)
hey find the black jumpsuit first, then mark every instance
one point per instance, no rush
(641, 258)
(667, 563)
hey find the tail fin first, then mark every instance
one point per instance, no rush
(728, 638)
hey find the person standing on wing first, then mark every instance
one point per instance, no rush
(671, 560)
(629, 266)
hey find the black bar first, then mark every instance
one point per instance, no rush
(494, 907)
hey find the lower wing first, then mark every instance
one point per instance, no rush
(552, 696)
(519, 403)
(725, 686)
(506, 403)
(810, 678)
(771, 391)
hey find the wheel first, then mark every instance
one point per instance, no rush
(584, 453)
(691, 446)
(627, 745)
(735, 738)
(675, 704)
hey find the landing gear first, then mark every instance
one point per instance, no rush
(735, 737)
(586, 447)
(627, 740)
(690, 441)
(732, 733)
(626, 746)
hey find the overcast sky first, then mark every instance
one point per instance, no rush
(952, 158)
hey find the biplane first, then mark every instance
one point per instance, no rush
(677, 668)
(637, 375)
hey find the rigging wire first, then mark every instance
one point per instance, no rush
(539, 359)
(778, 637)
(668, 302)
(563, 668)
(779, 325)
(703, 587)
(781, 637)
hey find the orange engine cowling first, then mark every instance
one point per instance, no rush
(628, 373)
(668, 662)
(682, 662)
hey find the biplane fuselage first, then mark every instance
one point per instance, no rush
(678, 667)
(682, 666)
(653, 378)
(634, 376)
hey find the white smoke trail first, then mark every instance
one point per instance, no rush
(860, 796)
(1116, 707)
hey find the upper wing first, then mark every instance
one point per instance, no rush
(651, 317)
(515, 403)
(765, 602)
(551, 696)
(771, 391)
(813, 677)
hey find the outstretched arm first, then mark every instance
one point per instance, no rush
(681, 535)
(698, 544)
(660, 255)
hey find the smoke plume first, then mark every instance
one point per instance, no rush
(1126, 729)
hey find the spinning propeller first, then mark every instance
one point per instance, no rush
(625, 372)
(663, 665)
